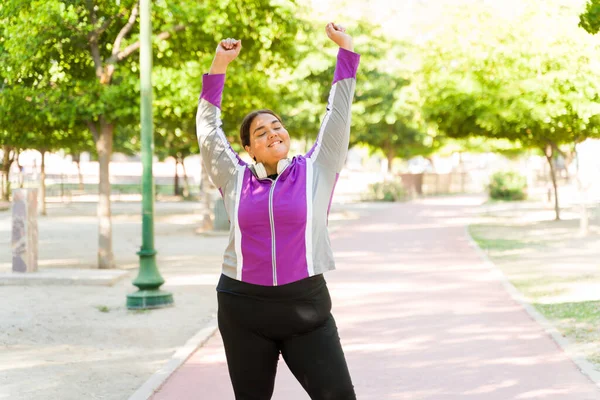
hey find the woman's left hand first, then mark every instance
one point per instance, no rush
(338, 34)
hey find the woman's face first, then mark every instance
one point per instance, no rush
(269, 141)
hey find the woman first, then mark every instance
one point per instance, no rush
(272, 296)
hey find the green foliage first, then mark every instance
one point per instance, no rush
(590, 19)
(388, 190)
(388, 103)
(73, 49)
(508, 185)
(531, 80)
(39, 119)
(518, 80)
(386, 109)
(304, 85)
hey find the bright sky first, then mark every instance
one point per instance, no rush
(403, 18)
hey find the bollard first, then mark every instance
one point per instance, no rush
(24, 231)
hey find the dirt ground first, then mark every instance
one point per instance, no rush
(73, 342)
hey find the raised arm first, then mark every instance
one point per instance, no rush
(219, 159)
(331, 146)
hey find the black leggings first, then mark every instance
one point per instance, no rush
(290, 321)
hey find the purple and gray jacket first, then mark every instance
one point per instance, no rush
(278, 232)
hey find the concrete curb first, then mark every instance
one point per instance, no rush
(65, 276)
(586, 367)
(154, 383)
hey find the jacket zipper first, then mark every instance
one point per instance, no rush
(272, 222)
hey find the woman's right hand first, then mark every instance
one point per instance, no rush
(227, 51)
(338, 35)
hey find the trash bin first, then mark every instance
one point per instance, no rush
(221, 219)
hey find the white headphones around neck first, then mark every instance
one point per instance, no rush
(261, 171)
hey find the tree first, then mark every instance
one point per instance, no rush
(37, 119)
(175, 132)
(9, 139)
(386, 110)
(388, 102)
(506, 80)
(92, 46)
(590, 19)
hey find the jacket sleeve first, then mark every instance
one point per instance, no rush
(219, 159)
(331, 146)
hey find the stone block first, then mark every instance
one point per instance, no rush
(24, 230)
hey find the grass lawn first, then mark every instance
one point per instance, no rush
(556, 269)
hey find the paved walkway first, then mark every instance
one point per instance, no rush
(421, 316)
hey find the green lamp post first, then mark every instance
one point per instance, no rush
(148, 280)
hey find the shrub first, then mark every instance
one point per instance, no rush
(388, 190)
(508, 185)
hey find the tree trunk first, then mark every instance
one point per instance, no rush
(77, 159)
(186, 182)
(104, 149)
(430, 159)
(20, 168)
(43, 185)
(549, 157)
(176, 178)
(6, 163)
(390, 155)
(568, 157)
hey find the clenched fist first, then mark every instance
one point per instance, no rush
(227, 51)
(338, 35)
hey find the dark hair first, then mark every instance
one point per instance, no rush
(247, 121)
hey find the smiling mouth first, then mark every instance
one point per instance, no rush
(274, 143)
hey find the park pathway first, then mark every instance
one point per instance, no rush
(421, 316)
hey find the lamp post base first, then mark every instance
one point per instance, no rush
(147, 299)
